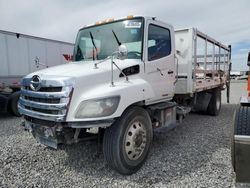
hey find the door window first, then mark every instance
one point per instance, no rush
(159, 42)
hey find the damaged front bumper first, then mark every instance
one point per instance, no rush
(47, 135)
(54, 133)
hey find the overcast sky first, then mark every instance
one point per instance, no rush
(225, 20)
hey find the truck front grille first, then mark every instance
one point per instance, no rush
(47, 103)
(43, 100)
(43, 110)
(46, 89)
(39, 121)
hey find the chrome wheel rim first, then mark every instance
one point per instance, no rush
(135, 140)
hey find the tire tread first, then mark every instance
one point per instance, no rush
(243, 121)
(211, 109)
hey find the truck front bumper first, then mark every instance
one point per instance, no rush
(47, 135)
(54, 133)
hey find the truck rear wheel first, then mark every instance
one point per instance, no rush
(240, 144)
(126, 143)
(214, 105)
(13, 100)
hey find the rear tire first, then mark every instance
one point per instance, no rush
(13, 101)
(214, 105)
(240, 152)
(242, 121)
(126, 143)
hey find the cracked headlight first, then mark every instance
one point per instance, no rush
(97, 107)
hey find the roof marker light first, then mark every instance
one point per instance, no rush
(98, 23)
(130, 16)
(110, 20)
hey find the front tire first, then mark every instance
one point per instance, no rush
(126, 143)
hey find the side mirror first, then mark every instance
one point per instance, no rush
(248, 60)
(122, 52)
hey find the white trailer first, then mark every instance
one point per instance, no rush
(129, 76)
(22, 54)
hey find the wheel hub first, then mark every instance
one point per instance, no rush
(135, 140)
(138, 139)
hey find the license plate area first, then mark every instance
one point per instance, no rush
(47, 141)
(45, 135)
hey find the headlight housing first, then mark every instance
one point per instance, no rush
(97, 107)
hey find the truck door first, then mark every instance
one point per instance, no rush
(159, 59)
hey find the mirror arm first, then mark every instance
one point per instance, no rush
(96, 67)
(121, 71)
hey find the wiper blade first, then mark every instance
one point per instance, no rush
(116, 38)
(79, 55)
(93, 42)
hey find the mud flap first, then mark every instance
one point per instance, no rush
(201, 102)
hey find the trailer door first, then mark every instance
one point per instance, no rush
(37, 55)
(17, 50)
(4, 71)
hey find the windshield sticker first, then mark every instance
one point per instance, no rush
(133, 31)
(132, 24)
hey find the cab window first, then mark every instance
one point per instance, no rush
(159, 42)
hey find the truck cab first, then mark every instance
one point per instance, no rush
(149, 67)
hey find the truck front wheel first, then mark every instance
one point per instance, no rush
(126, 143)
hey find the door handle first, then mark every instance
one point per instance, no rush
(159, 71)
(170, 72)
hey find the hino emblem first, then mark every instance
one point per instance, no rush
(35, 83)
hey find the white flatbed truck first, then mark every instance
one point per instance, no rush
(22, 54)
(129, 76)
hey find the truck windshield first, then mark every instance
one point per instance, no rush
(100, 41)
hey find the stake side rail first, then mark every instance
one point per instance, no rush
(211, 62)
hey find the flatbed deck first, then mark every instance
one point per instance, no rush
(202, 62)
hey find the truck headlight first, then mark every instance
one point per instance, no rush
(97, 107)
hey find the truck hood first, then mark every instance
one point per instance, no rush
(85, 73)
(73, 69)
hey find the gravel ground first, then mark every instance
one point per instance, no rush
(194, 154)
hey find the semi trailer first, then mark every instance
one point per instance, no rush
(128, 77)
(240, 148)
(22, 54)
